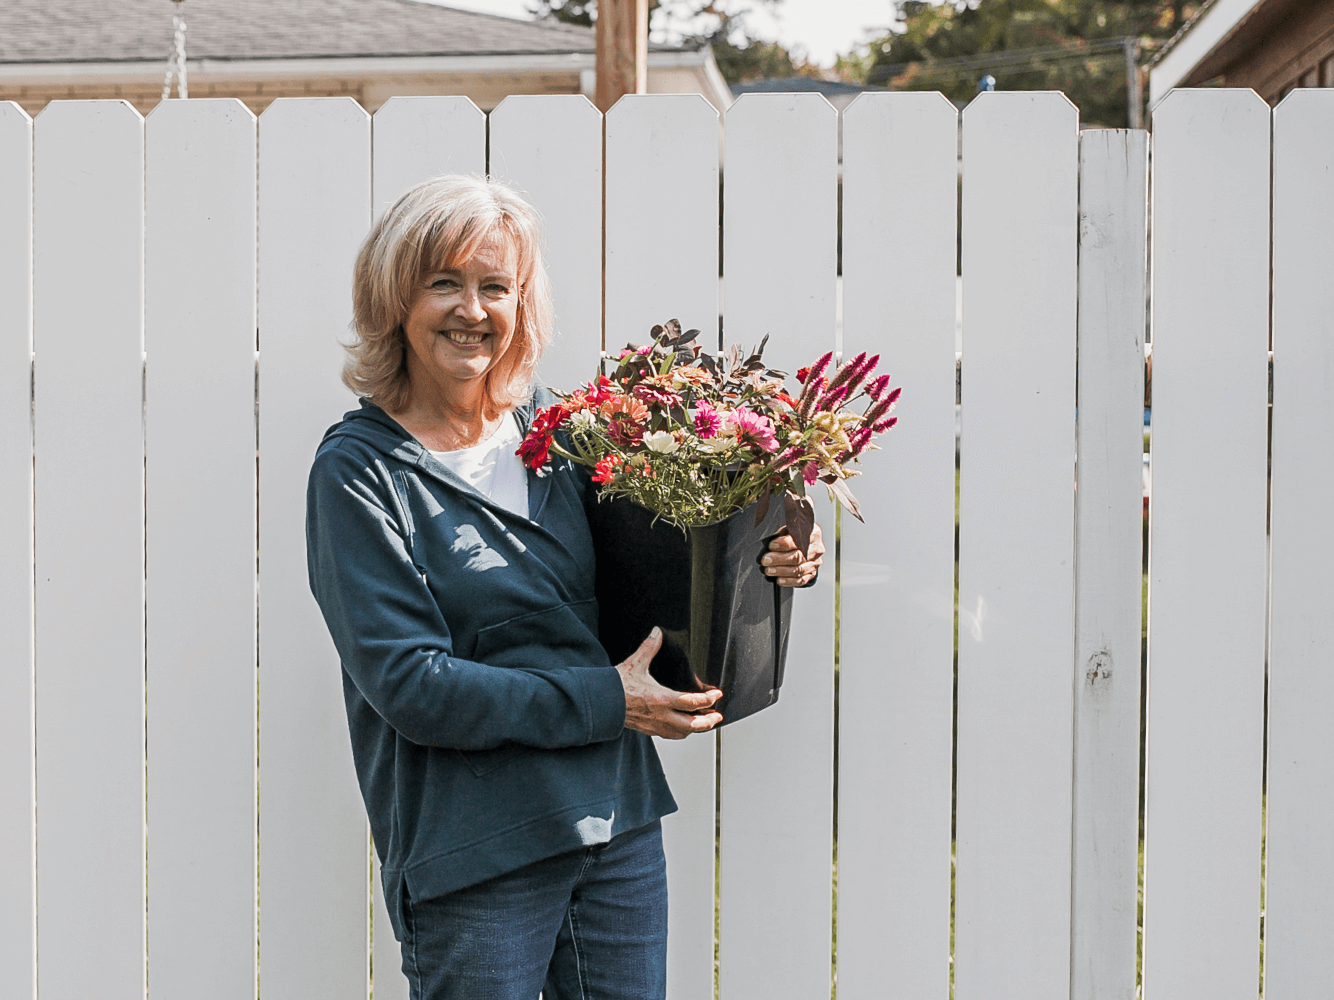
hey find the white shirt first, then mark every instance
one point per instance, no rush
(493, 468)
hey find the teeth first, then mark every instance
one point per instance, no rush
(458, 337)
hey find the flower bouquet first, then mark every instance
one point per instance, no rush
(689, 450)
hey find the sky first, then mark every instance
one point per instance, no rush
(823, 28)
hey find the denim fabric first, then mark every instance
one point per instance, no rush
(589, 924)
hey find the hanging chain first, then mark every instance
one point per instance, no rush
(176, 60)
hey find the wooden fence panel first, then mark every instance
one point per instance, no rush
(314, 210)
(1016, 547)
(896, 685)
(416, 138)
(549, 147)
(662, 261)
(777, 780)
(199, 337)
(88, 337)
(1207, 575)
(1113, 214)
(1299, 920)
(17, 854)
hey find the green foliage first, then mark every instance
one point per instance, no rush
(1032, 35)
(720, 23)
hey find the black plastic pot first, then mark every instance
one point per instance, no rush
(724, 623)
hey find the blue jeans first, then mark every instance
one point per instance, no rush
(587, 925)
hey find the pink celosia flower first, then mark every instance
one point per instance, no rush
(707, 420)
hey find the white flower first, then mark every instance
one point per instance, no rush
(717, 445)
(582, 421)
(661, 441)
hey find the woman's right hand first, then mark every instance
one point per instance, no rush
(657, 710)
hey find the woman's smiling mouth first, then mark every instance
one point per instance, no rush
(464, 338)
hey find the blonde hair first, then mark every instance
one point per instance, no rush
(436, 226)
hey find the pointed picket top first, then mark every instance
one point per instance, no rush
(415, 138)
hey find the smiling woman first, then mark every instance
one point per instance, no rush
(505, 763)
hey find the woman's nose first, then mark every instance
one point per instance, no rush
(470, 306)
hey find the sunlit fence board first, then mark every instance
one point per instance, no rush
(88, 338)
(662, 222)
(315, 207)
(662, 247)
(17, 855)
(199, 263)
(1299, 902)
(416, 138)
(1016, 547)
(549, 148)
(1113, 201)
(1207, 570)
(777, 776)
(896, 666)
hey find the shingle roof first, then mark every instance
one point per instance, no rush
(67, 31)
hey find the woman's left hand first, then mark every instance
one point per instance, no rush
(785, 563)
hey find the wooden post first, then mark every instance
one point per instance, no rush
(622, 50)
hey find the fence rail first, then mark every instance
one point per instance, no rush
(179, 811)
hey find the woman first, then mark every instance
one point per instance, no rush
(513, 792)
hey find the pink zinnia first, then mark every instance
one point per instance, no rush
(707, 420)
(754, 429)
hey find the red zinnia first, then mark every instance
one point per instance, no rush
(606, 468)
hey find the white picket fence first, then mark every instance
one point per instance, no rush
(156, 833)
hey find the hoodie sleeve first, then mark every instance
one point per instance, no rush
(395, 644)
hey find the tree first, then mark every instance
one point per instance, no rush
(1069, 45)
(722, 24)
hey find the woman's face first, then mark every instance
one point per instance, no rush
(462, 320)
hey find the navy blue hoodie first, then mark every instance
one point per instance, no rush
(487, 723)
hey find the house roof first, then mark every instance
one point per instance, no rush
(126, 31)
(1220, 35)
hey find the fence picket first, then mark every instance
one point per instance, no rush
(549, 147)
(415, 138)
(1207, 575)
(662, 178)
(314, 210)
(199, 289)
(88, 197)
(17, 855)
(1016, 547)
(896, 687)
(1113, 201)
(1299, 881)
(777, 775)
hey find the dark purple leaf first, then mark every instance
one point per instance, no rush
(762, 510)
(800, 515)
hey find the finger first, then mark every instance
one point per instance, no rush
(694, 701)
(646, 651)
(783, 543)
(703, 723)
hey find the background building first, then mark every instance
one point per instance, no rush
(259, 50)
(1270, 46)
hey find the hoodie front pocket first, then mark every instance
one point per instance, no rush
(482, 762)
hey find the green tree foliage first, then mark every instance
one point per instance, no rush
(1067, 45)
(740, 55)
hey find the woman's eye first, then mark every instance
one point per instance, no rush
(497, 289)
(444, 283)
